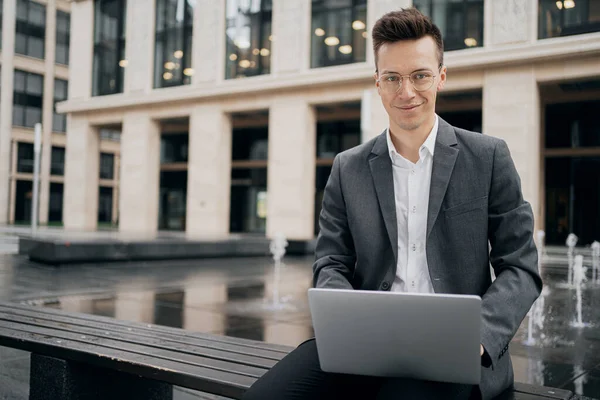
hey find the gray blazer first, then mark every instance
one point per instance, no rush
(475, 201)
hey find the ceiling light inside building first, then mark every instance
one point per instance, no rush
(169, 65)
(233, 57)
(167, 76)
(123, 63)
(188, 71)
(319, 32)
(569, 3)
(358, 25)
(470, 42)
(559, 4)
(244, 64)
(271, 38)
(256, 52)
(364, 34)
(265, 52)
(252, 64)
(332, 41)
(178, 54)
(242, 43)
(346, 49)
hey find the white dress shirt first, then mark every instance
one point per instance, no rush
(411, 192)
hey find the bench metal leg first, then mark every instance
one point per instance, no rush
(53, 378)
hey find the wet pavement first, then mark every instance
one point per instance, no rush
(235, 297)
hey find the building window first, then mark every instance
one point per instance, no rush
(107, 166)
(25, 158)
(248, 211)
(248, 37)
(57, 161)
(27, 101)
(30, 29)
(339, 34)
(568, 17)
(173, 55)
(460, 21)
(59, 121)
(56, 202)
(105, 205)
(174, 148)
(63, 28)
(109, 47)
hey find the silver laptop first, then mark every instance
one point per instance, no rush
(433, 337)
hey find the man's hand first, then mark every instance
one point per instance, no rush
(481, 350)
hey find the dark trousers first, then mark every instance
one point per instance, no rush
(299, 376)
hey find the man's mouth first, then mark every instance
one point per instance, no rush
(408, 107)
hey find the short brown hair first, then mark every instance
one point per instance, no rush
(406, 24)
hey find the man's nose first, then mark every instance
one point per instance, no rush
(406, 90)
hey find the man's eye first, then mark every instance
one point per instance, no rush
(420, 76)
(391, 78)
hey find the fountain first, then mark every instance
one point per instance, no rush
(571, 242)
(536, 313)
(277, 249)
(596, 262)
(578, 279)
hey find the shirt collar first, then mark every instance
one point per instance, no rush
(429, 143)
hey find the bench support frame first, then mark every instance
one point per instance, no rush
(53, 378)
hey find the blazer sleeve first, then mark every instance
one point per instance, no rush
(335, 256)
(513, 256)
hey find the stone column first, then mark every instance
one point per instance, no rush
(140, 174)
(291, 36)
(508, 22)
(81, 52)
(48, 111)
(139, 47)
(373, 117)
(196, 317)
(511, 111)
(208, 39)
(135, 306)
(9, 11)
(209, 172)
(291, 169)
(82, 169)
(375, 9)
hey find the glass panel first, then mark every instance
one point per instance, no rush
(57, 161)
(59, 121)
(572, 199)
(109, 47)
(460, 21)
(571, 125)
(56, 202)
(248, 38)
(27, 99)
(107, 166)
(174, 21)
(172, 201)
(338, 34)
(30, 29)
(25, 158)
(174, 148)
(63, 27)
(250, 144)
(337, 136)
(105, 204)
(248, 200)
(23, 200)
(568, 17)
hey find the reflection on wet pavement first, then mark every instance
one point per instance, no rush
(234, 297)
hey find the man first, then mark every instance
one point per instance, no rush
(415, 210)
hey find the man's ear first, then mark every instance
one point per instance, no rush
(442, 81)
(376, 81)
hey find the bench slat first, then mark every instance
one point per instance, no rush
(153, 329)
(218, 342)
(131, 351)
(153, 342)
(196, 377)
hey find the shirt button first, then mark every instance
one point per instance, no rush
(385, 285)
(414, 209)
(412, 171)
(414, 247)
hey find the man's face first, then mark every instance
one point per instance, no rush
(407, 107)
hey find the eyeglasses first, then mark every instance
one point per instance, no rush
(421, 81)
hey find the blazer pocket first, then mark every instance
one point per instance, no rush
(463, 208)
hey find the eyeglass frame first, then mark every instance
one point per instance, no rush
(410, 80)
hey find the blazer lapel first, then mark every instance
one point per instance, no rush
(444, 157)
(381, 170)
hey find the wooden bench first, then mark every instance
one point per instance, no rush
(76, 356)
